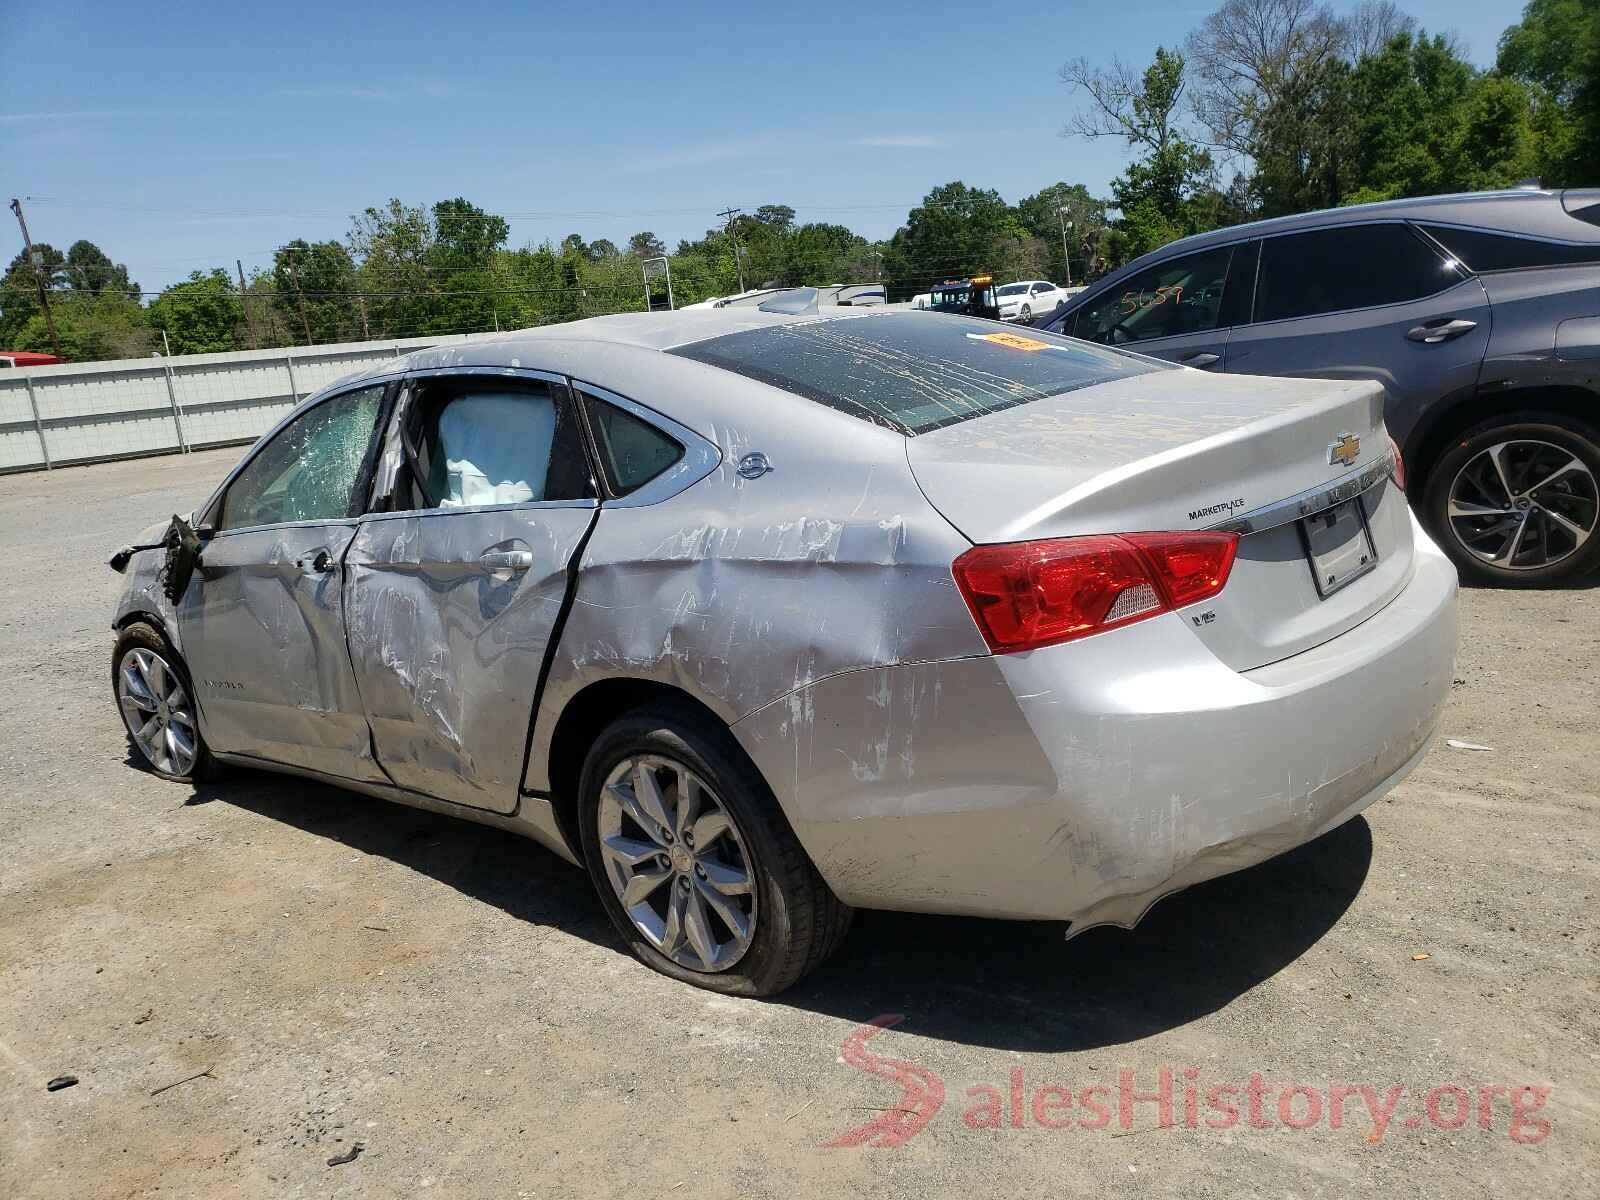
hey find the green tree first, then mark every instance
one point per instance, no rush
(110, 325)
(201, 315)
(956, 231)
(90, 270)
(314, 287)
(1555, 49)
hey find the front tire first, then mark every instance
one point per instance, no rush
(694, 862)
(1026, 315)
(155, 697)
(1513, 501)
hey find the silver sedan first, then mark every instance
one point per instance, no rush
(764, 616)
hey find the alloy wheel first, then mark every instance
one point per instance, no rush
(1523, 505)
(157, 710)
(677, 863)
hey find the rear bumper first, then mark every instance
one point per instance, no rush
(1084, 782)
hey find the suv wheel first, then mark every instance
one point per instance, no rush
(695, 863)
(1515, 501)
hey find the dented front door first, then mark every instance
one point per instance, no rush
(262, 620)
(449, 614)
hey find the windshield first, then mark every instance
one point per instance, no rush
(1014, 289)
(914, 372)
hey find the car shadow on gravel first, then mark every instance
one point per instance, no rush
(1000, 984)
(1020, 986)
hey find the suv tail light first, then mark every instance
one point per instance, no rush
(1024, 595)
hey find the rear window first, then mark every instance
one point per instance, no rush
(915, 372)
(1484, 251)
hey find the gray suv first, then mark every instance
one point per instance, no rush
(1480, 314)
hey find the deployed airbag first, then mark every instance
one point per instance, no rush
(496, 447)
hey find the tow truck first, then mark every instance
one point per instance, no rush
(973, 297)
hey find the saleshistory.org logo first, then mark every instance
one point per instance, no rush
(1217, 510)
(1178, 1097)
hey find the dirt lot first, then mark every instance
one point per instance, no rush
(451, 999)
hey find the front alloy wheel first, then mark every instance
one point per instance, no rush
(153, 697)
(676, 863)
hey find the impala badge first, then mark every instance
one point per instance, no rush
(1343, 452)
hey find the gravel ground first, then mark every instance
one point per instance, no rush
(339, 972)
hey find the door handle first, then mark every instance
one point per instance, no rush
(1203, 359)
(505, 564)
(1431, 333)
(319, 563)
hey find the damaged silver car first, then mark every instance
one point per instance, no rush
(765, 616)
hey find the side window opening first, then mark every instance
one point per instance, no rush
(476, 441)
(632, 451)
(1179, 296)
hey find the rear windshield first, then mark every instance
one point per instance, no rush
(915, 372)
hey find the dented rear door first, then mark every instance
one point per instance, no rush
(450, 612)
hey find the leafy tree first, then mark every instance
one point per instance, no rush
(201, 315)
(91, 327)
(19, 289)
(955, 231)
(1555, 49)
(646, 245)
(314, 288)
(89, 270)
(777, 216)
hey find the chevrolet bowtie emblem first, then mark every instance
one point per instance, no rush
(1343, 452)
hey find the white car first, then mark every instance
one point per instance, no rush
(1029, 299)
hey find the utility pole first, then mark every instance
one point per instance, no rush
(38, 275)
(1066, 259)
(244, 305)
(300, 299)
(728, 214)
(361, 303)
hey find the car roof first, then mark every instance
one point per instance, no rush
(1529, 210)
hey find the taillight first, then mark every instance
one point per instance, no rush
(1397, 469)
(1024, 595)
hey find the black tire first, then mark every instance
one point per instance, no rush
(140, 636)
(1577, 437)
(799, 919)
(1026, 315)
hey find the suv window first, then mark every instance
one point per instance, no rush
(1484, 251)
(479, 440)
(308, 472)
(1353, 266)
(1181, 295)
(632, 452)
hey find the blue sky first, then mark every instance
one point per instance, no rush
(183, 135)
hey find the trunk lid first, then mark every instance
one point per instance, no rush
(1178, 450)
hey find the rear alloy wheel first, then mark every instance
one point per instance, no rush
(1518, 503)
(695, 862)
(157, 708)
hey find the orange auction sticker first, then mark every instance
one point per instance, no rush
(1015, 340)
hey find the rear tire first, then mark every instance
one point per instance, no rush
(1486, 501)
(155, 698)
(633, 830)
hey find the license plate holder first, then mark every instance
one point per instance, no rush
(1338, 545)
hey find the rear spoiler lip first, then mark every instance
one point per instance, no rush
(1312, 500)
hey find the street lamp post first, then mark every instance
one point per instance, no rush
(1066, 259)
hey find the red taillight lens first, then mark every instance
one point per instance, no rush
(1398, 471)
(1024, 595)
(1188, 566)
